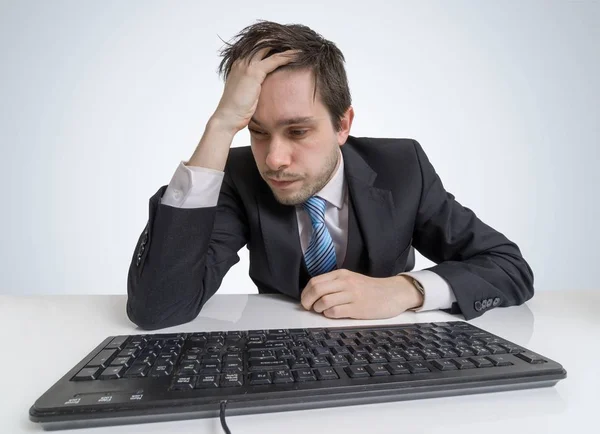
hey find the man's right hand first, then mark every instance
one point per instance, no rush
(243, 85)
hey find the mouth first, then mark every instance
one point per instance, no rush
(280, 184)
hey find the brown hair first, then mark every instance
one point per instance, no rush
(322, 56)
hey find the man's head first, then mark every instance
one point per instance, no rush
(304, 111)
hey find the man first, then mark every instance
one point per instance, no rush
(328, 218)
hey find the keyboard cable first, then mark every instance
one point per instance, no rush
(222, 416)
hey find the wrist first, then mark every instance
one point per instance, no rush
(414, 295)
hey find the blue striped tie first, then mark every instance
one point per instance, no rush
(320, 255)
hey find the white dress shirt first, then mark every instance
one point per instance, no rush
(199, 187)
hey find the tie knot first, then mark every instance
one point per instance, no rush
(315, 206)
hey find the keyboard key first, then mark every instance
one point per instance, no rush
(282, 376)
(161, 369)
(87, 374)
(377, 370)
(376, 357)
(513, 349)
(397, 368)
(189, 368)
(207, 381)
(318, 362)
(260, 378)
(529, 357)
(264, 365)
(183, 383)
(463, 363)
(300, 362)
(126, 361)
(326, 374)
(358, 359)
(102, 359)
(232, 367)
(338, 360)
(112, 372)
(210, 368)
(356, 371)
(481, 362)
(117, 343)
(444, 365)
(231, 379)
(499, 360)
(302, 375)
(417, 367)
(137, 371)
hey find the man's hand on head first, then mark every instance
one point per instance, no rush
(346, 294)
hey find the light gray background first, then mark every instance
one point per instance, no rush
(101, 100)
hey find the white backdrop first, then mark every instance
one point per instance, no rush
(101, 100)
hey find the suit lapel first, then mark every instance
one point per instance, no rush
(374, 209)
(279, 228)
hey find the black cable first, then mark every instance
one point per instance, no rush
(222, 416)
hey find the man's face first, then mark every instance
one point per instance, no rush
(303, 152)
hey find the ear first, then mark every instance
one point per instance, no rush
(345, 125)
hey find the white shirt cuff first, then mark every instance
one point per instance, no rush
(193, 187)
(438, 293)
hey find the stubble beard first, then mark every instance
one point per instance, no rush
(309, 190)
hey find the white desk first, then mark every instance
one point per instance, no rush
(42, 337)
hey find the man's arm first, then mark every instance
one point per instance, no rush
(483, 268)
(182, 256)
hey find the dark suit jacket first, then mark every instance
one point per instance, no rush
(182, 254)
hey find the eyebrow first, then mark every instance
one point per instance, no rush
(290, 121)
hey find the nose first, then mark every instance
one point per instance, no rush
(279, 156)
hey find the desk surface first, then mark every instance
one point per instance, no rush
(65, 328)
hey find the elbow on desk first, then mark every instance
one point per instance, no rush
(147, 319)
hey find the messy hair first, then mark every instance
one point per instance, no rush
(323, 57)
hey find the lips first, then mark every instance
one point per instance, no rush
(281, 183)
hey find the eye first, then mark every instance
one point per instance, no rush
(301, 132)
(255, 131)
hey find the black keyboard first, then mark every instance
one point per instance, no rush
(156, 377)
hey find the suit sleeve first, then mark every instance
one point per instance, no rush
(182, 256)
(483, 267)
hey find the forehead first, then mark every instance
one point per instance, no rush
(288, 94)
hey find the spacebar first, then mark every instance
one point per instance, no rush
(265, 365)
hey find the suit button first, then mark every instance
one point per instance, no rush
(496, 301)
(478, 306)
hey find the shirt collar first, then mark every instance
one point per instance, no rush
(333, 192)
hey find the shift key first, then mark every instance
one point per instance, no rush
(266, 365)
